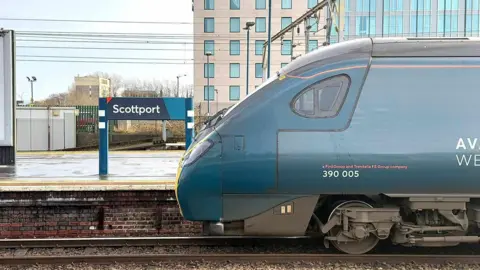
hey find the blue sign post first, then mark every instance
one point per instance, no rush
(121, 108)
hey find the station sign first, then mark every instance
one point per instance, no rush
(119, 108)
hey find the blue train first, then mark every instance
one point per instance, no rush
(358, 142)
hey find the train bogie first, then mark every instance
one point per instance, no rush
(362, 141)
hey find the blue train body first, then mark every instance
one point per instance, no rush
(383, 129)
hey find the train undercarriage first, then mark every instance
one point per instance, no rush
(356, 224)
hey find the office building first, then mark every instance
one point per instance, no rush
(218, 28)
(95, 86)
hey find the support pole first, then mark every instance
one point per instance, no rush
(269, 36)
(291, 47)
(103, 137)
(189, 122)
(248, 57)
(307, 37)
(164, 131)
(208, 84)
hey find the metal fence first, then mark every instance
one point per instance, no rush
(87, 119)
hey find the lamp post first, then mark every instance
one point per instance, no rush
(208, 82)
(216, 93)
(269, 36)
(178, 83)
(247, 27)
(31, 80)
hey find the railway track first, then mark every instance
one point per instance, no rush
(149, 241)
(268, 258)
(21, 248)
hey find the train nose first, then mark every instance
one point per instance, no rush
(197, 184)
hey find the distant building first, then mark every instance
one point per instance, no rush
(96, 86)
(139, 93)
(218, 29)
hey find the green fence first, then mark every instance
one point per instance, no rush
(87, 119)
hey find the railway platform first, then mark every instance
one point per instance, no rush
(78, 171)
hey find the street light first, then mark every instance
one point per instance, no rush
(247, 27)
(216, 93)
(178, 82)
(208, 82)
(31, 80)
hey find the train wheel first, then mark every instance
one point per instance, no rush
(352, 247)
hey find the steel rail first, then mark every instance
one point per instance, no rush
(146, 241)
(270, 258)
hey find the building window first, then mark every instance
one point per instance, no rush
(259, 47)
(312, 22)
(286, 47)
(447, 4)
(260, 4)
(209, 4)
(209, 46)
(393, 5)
(260, 25)
(234, 70)
(424, 22)
(209, 72)
(365, 25)
(208, 92)
(447, 24)
(312, 3)
(286, 4)
(393, 25)
(234, 92)
(258, 70)
(366, 5)
(234, 47)
(286, 21)
(472, 26)
(312, 45)
(282, 65)
(208, 25)
(472, 5)
(235, 4)
(323, 99)
(421, 5)
(234, 25)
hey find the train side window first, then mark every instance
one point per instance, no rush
(322, 99)
(305, 103)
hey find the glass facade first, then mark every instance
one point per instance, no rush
(409, 18)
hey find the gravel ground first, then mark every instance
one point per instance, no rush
(248, 266)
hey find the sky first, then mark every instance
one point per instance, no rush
(57, 77)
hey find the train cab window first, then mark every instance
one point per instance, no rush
(322, 99)
(305, 103)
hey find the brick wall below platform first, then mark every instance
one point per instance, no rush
(90, 214)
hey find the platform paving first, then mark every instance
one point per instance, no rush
(79, 171)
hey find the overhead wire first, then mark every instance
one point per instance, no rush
(120, 49)
(227, 21)
(90, 58)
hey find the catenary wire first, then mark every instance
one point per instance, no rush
(103, 57)
(124, 62)
(123, 49)
(160, 37)
(200, 20)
